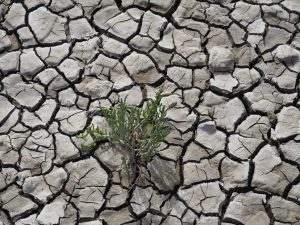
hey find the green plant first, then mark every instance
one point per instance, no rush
(138, 131)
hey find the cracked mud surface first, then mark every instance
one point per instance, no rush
(231, 66)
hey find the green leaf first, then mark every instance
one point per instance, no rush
(139, 131)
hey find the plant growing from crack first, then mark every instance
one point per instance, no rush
(138, 131)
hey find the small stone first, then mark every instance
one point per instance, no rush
(80, 28)
(221, 59)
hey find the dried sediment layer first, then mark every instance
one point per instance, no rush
(232, 67)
